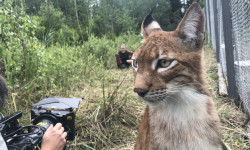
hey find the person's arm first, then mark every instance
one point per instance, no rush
(130, 52)
(54, 138)
(129, 61)
(118, 60)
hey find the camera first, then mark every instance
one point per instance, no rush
(44, 113)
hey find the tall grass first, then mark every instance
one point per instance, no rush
(110, 115)
(58, 69)
(106, 118)
(34, 70)
(61, 70)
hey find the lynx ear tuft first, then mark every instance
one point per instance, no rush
(191, 28)
(149, 25)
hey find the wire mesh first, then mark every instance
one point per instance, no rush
(222, 53)
(240, 10)
(241, 32)
(207, 22)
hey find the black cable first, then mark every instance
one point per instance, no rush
(10, 146)
(23, 146)
(19, 136)
(15, 144)
(26, 134)
(15, 132)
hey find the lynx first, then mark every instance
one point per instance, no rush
(168, 76)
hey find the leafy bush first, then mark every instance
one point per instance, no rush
(106, 49)
(33, 69)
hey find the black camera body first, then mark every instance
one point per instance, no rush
(44, 113)
(44, 118)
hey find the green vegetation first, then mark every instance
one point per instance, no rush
(66, 48)
(49, 46)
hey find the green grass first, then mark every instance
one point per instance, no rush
(110, 114)
(85, 71)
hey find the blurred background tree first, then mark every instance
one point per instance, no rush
(38, 35)
(73, 21)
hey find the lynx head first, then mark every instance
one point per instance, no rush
(169, 62)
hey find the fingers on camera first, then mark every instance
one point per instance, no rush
(61, 130)
(64, 135)
(50, 127)
(58, 126)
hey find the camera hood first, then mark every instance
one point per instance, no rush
(58, 103)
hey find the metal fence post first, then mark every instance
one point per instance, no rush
(212, 25)
(208, 21)
(228, 38)
(216, 31)
(206, 27)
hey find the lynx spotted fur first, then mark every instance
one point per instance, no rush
(180, 113)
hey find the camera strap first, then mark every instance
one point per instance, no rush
(3, 145)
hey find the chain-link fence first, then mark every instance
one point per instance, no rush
(228, 31)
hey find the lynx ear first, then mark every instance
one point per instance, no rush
(149, 25)
(191, 28)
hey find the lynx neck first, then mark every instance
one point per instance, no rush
(185, 105)
(181, 122)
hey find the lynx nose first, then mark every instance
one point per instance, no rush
(140, 92)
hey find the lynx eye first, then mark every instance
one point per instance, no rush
(164, 63)
(135, 63)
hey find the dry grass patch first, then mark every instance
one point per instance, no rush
(233, 121)
(109, 116)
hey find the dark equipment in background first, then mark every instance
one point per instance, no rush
(44, 113)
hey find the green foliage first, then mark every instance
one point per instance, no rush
(60, 16)
(51, 18)
(109, 18)
(113, 17)
(17, 43)
(50, 23)
(45, 49)
(50, 47)
(35, 69)
(41, 53)
(105, 49)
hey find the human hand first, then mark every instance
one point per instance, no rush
(129, 61)
(54, 138)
